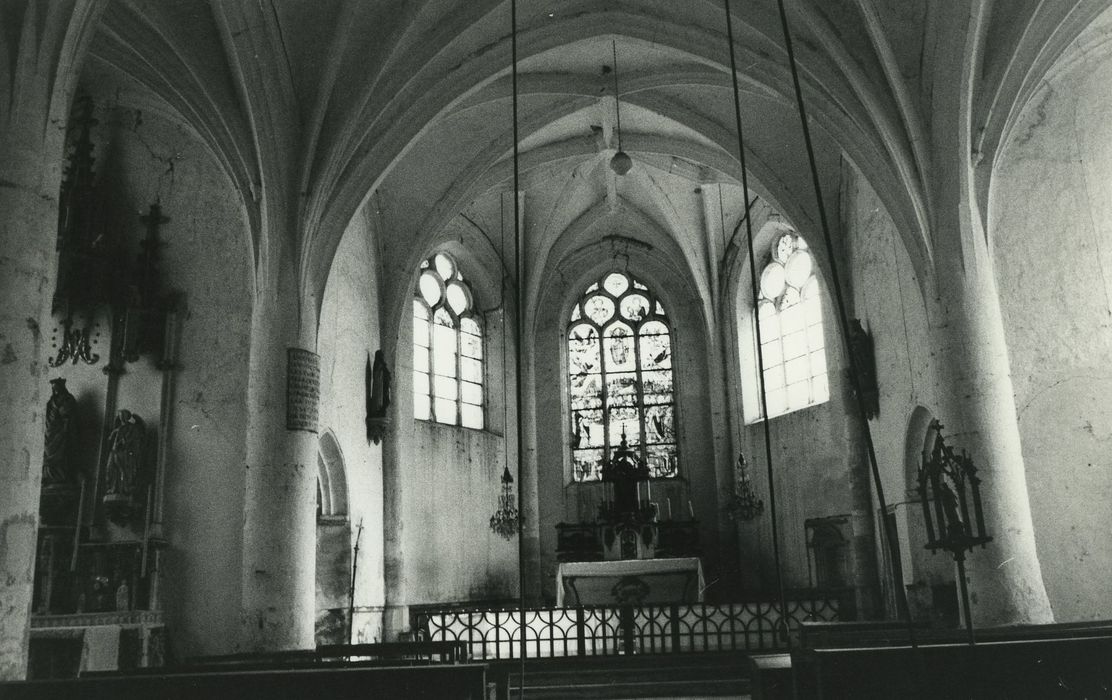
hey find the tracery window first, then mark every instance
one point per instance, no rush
(789, 311)
(447, 347)
(620, 377)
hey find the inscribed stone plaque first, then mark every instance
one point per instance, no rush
(302, 389)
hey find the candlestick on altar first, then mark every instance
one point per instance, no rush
(690, 509)
(669, 508)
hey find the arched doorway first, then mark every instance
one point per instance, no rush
(333, 577)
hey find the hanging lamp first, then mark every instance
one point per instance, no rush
(621, 162)
(506, 520)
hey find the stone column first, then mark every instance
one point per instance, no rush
(38, 70)
(530, 493)
(278, 609)
(395, 618)
(979, 416)
(28, 227)
(977, 402)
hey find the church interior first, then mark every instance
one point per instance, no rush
(681, 326)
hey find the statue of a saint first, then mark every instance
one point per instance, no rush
(61, 436)
(125, 454)
(955, 524)
(380, 386)
(377, 384)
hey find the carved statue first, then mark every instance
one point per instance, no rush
(955, 523)
(377, 382)
(380, 386)
(125, 455)
(861, 344)
(58, 465)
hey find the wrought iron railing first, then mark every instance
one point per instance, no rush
(606, 630)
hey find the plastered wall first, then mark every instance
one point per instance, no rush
(1051, 236)
(443, 481)
(888, 299)
(696, 491)
(816, 453)
(144, 158)
(349, 335)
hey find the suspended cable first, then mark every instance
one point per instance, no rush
(617, 98)
(518, 317)
(757, 327)
(843, 318)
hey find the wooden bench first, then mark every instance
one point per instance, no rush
(833, 635)
(1026, 668)
(814, 635)
(429, 652)
(772, 673)
(770, 676)
(436, 682)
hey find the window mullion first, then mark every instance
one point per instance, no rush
(640, 384)
(459, 375)
(432, 365)
(604, 395)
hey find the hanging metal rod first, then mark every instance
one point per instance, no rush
(518, 316)
(757, 327)
(843, 318)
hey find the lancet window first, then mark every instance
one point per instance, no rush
(789, 311)
(620, 377)
(447, 347)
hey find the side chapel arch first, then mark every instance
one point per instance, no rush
(333, 545)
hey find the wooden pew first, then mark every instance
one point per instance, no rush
(1078, 667)
(815, 634)
(833, 635)
(447, 682)
(770, 676)
(772, 673)
(450, 652)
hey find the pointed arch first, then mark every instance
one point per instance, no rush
(332, 476)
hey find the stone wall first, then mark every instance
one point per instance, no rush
(349, 335)
(888, 299)
(442, 481)
(696, 491)
(1050, 225)
(145, 158)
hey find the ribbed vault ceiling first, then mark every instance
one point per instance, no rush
(310, 105)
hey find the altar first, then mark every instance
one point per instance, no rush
(630, 581)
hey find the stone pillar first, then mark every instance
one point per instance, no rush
(395, 617)
(979, 416)
(38, 70)
(278, 609)
(28, 227)
(523, 383)
(530, 492)
(977, 402)
(864, 574)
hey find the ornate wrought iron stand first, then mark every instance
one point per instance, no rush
(951, 482)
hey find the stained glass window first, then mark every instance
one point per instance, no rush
(620, 377)
(789, 312)
(447, 347)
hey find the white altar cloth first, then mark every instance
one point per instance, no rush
(678, 580)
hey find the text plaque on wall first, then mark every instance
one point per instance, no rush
(302, 389)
